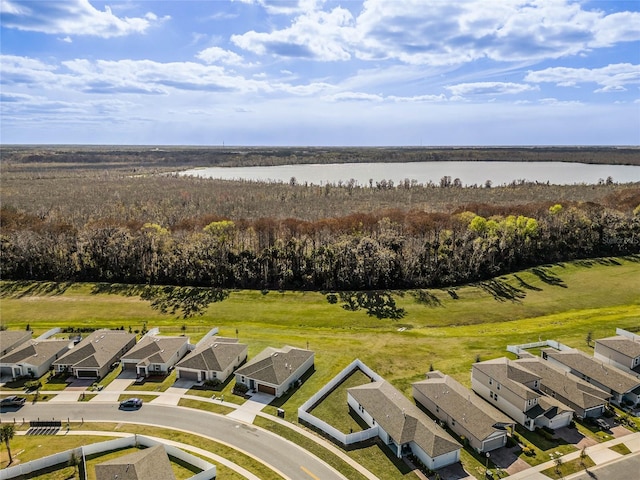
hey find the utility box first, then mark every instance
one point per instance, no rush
(281, 413)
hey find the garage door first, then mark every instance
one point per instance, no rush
(6, 371)
(494, 443)
(128, 366)
(87, 374)
(266, 389)
(188, 375)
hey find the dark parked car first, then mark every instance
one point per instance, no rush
(131, 404)
(602, 424)
(12, 401)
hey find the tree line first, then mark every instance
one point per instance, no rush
(369, 251)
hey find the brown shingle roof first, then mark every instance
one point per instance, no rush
(147, 464)
(463, 405)
(576, 390)
(401, 419)
(611, 377)
(624, 345)
(97, 349)
(274, 366)
(36, 353)
(213, 355)
(510, 376)
(156, 349)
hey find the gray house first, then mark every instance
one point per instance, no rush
(621, 351)
(214, 359)
(468, 415)
(515, 390)
(621, 385)
(584, 399)
(274, 370)
(32, 358)
(155, 355)
(402, 426)
(94, 356)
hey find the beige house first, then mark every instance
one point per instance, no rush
(621, 351)
(94, 356)
(10, 339)
(148, 464)
(468, 415)
(515, 391)
(275, 370)
(584, 399)
(33, 358)
(155, 355)
(214, 359)
(622, 386)
(402, 426)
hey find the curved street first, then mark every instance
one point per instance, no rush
(283, 456)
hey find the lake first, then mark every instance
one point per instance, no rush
(469, 173)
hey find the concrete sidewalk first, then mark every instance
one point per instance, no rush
(248, 410)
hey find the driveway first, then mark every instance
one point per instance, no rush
(248, 410)
(574, 437)
(507, 459)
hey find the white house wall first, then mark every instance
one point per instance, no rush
(511, 410)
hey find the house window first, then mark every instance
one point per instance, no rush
(491, 381)
(453, 422)
(496, 397)
(437, 409)
(498, 387)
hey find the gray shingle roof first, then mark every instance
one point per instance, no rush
(401, 419)
(463, 405)
(576, 390)
(147, 464)
(510, 376)
(36, 353)
(13, 338)
(274, 366)
(624, 345)
(216, 355)
(155, 349)
(611, 377)
(97, 349)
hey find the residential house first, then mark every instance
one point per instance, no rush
(149, 463)
(212, 360)
(402, 426)
(468, 415)
(515, 391)
(274, 371)
(33, 358)
(584, 399)
(155, 355)
(622, 386)
(621, 351)
(94, 355)
(10, 339)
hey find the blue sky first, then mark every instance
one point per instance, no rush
(314, 72)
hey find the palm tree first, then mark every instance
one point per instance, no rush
(7, 432)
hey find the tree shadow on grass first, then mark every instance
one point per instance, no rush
(379, 304)
(526, 285)
(426, 298)
(502, 291)
(22, 289)
(547, 276)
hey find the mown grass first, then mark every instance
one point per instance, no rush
(567, 468)
(564, 302)
(620, 448)
(207, 406)
(154, 384)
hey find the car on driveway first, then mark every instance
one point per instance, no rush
(12, 401)
(131, 404)
(602, 424)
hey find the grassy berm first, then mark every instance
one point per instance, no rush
(447, 329)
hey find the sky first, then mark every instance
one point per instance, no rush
(320, 72)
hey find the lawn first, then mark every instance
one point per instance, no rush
(207, 406)
(543, 449)
(564, 469)
(154, 384)
(334, 409)
(565, 302)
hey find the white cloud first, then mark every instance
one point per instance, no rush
(436, 32)
(71, 17)
(612, 78)
(354, 96)
(490, 88)
(220, 55)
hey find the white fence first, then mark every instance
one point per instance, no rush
(208, 469)
(345, 439)
(48, 334)
(518, 349)
(626, 333)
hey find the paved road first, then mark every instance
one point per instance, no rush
(290, 460)
(626, 468)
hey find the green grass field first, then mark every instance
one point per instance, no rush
(564, 302)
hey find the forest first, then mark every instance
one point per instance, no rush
(87, 218)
